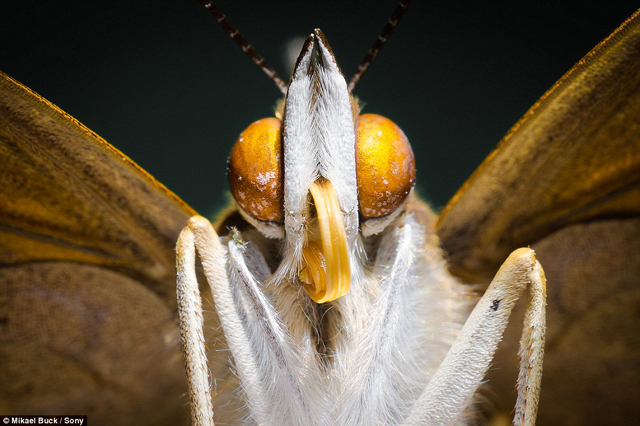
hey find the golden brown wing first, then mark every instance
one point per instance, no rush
(87, 303)
(566, 180)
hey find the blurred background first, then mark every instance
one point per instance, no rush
(163, 83)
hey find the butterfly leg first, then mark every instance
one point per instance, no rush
(191, 331)
(456, 380)
(266, 359)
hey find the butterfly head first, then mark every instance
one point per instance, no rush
(322, 177)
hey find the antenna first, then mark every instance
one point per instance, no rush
(246, 47)
(380, 41)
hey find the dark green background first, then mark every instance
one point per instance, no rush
(163, 83)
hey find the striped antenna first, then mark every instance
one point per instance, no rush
(380, 41)
(246, 47)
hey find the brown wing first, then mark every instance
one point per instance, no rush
(87, 303)
(566, 180)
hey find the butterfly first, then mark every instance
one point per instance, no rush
(543, 391)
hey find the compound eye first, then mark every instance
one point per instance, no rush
(385, 166)
(255, 171)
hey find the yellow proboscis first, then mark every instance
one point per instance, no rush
(326, 272)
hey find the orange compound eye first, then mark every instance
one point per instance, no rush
(255, 171)
(385, 166)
